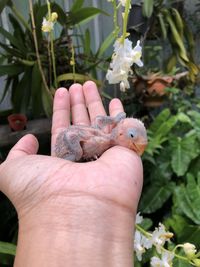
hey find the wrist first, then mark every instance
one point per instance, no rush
(86, 232)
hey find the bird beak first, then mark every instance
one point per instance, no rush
(139, 148)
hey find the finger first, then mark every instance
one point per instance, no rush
(61, 113)
(78, 106)
(115, 107)
(127, 166)
(27, 145)
(93, 100)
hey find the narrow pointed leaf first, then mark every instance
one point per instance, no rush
(7, 248)
(47, 100)
(105, 45)
(147, 8)
(14, 41)
(11, 70)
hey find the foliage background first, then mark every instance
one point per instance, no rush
(171, 192)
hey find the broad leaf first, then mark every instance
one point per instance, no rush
(177, 223)
(163, 123)
(7, 248)
(184, 150)
(77, 5)
(188, 198)
(62, 18)
(180, 263)
(84, 14)
(191, 233)
(155, 196)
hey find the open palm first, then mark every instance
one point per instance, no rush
(38, 184)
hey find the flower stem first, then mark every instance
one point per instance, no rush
(125, 20)
(52, 47)
(36, 48)
(72, 62)
(53, 60)
(141, 230)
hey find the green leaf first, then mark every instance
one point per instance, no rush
(62, 18)
(6, 88)
(163, 26)
(14, 41)
(147, 8)
(47, 100)
(195, 118)
(182, 117)
(36, 91)
(11, 70)
(18, 32)
(191, 233)
(106, 43)
(188, 198)
(7, 248)
(22, 94)
(86, 44)
(184, 150)
(159, 130)
(180, 263)
(77, 5)
(3, 4)
(11, 51)
(159, 120)
(75, 77)
(178, 223)
(84, 15)
(155, 196)
(177, 38)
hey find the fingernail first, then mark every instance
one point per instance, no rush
(61, 91)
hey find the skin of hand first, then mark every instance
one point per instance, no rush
(79, 214)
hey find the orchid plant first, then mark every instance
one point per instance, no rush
(158, 241)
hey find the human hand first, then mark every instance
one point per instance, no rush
(97, 199)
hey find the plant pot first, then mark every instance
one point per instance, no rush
(17, 122)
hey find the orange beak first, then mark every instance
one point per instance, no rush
(138, 148)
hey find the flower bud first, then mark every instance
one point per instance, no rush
(196, 262)
(189, 250)
(54, 16)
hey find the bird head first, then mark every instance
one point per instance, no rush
(131, 133)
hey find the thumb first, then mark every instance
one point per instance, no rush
(27, 145)
(124, 160)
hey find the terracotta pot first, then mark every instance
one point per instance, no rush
(17, 122)
(158, 86)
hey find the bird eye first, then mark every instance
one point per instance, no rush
(132, 133)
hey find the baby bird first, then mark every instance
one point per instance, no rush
(84, 143)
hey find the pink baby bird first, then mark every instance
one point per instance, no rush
(83, 143)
